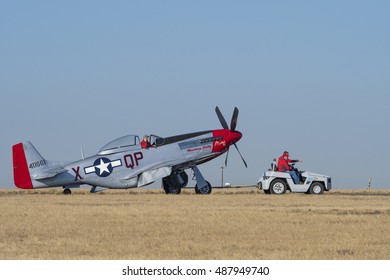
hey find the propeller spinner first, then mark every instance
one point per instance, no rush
(232, 129)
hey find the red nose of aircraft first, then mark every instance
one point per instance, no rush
(225, 138)
(235, 136)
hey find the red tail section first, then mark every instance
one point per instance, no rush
(22, 177)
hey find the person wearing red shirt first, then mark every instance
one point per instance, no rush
(283, 166)
(145, 143)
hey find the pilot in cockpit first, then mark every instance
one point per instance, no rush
(145, 144)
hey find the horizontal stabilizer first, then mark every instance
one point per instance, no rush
(49, 173)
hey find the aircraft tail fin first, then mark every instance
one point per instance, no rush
(27, 161)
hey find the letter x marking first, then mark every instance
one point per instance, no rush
(77, 172)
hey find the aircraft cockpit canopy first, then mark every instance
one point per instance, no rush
(156, 140)
(120, 144)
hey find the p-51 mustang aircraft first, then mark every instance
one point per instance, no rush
(124, 163)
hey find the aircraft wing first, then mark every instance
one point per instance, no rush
(49, 173)
(150, 176)
(158, 171)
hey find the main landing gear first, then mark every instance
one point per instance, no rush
(179, 179)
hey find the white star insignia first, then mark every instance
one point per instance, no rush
(103, 167)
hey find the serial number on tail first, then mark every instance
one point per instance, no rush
(37, 164)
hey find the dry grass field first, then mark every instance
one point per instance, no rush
(228, 224)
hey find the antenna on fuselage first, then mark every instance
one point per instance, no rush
(82, 152)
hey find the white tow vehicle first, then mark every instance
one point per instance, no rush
(274, 182)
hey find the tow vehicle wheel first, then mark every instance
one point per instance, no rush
(316, 188)
(204, 190)
(278, 187)
(67, 191)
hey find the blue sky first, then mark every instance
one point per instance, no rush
(311, 77)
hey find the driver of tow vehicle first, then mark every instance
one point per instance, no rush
(283, 166)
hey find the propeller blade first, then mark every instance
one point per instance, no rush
(221, 118)
(233, 123)
(226, 159)
(241, 155)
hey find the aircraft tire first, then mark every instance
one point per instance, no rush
(316, 188)
(278, 187)
(67, 191)
(205, 190)
(169, 189)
